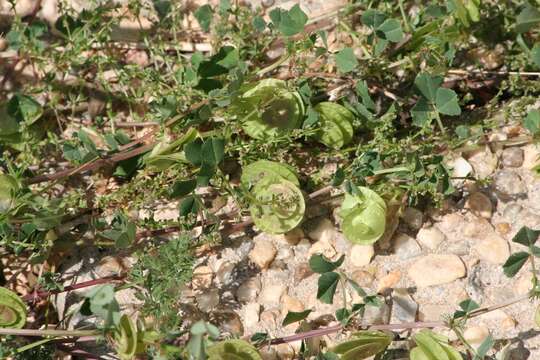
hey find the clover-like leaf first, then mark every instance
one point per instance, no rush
(363, 344)
(268, 109)
(319, 264)
(335, 124)
(390, 30)
(422, 112)
(8, 186)
(264, 169)
(528, 17)
(233, 349)
(428, 85)
(327, 286)
(446, 102)
(364, 216)
(373, 18)
(289, 22)
(514, 263)
(12, 310)
(293, 317)
(532, 122)
(346, 60)
(279, 205)
(526, 236)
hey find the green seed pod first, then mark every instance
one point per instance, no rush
(126, 338)
(268, 109)
(8, 185)
(432, 346)
(364, 216)
(12, 310)
(279, 205)
(363, 345)
(335, 122)
(234, 349)
(263, 169)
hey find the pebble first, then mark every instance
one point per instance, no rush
(484, 163)
(271, 294)
(389, 281)
(363, 278)
(460, 167)
(413, 218)
(406, 247)
(228, 322)
(430, 237)
(404, 308)
(480, 204)
(251, 315)
(137, 57)
(263, 253)
(208, 300)
(361, 255)
(436, 269)
(324, 248)
(531, 156)
(508, 184)
(493, 249)
(301, 272)
(375, 315)
(224, 274)
(324, 231)
(202, 277)
(285, 351)
(475, 335)
(292, 237)
(249, 290)
(269, 318)
(512, 157)
(291, 304)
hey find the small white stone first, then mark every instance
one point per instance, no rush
(430, 237)
(475, 335)
(361, 255)
(484, 163)
(512, 157)
(249, 290)
(406, 247)
(531, 156)
(263, 253)
(271, 294)
(480, 204)
(202, 277)
(436, 269)
(324, 248)
(460, 167)
(493, 249)
(290, 303)
(251, 315)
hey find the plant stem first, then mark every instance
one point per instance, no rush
(404, 16)
(48, 332)
(439, 121)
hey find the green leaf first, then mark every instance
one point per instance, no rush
(483, 349)
(466, 307)
(233, 349)
(446, 102)
(363, 345)
(342, 315)
(346, 60)
(193, 151)
(289, 22)
(390, 30)
(189, 205)
(213, 150)
(183, 187)
(162, 7)
(8, 187)
(204, 16)
(532, 121)
(227, 58)
(373, 18)
(527, 18)
(293, 317)
(259, 24)
(320, 264)
(24, 108)
(422, 113)
(363, 91)
(514, 263)
(526, 236)
(12, 310)
(327, 287)
(535, 55)
(428, 85)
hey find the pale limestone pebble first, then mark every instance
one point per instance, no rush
(164, 212)
(460, 167)
(292, 237)
(251, 314)
(249, 290)
(342, 245)
(137, 57)
(375, 315)
(271, 294)
(284, 253)
(434, 312)
(436, 269)
(268, 353)
(290, 303)
(523, 283)
(208, 300)
(285, 351)
(301, 272)
(413, 218)
(301, 250)
(404, 308)
(503, 228)
(324, 248)
(363, 278)
(49, 11)
(475, 335)
(263, 252)
(3, 43)
(22, 7)
(480, 204)
(202, 277)
(269, 318)
(406, 247)
(324, 231)
(361, 255)
(451, 225)
(534, 194)
(493, 249)
(512, 157)
(225, 273)
(484, 163)
(388, 281)
(499, 318)
(430, 237)
(531, 156)
(508, 184)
